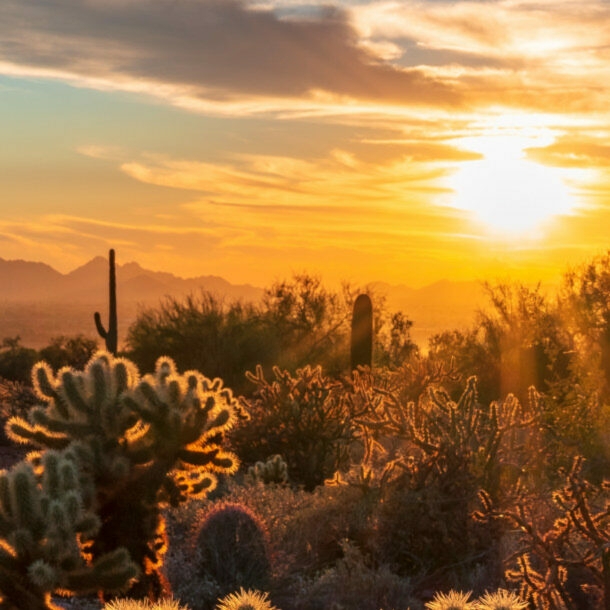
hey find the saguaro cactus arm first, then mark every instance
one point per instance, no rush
(111, 335)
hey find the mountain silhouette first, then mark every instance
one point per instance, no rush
(30, 281)
(39, 303)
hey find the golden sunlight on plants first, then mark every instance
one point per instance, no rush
(245, 600)
(480, 465)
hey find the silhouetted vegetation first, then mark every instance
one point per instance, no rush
(299, 323)
(479, 466)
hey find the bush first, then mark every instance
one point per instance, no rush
(304, 418)
(73, 351)
(245, 600)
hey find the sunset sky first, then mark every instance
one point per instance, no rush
(400, 141)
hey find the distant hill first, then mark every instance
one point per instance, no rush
(439, 306)
(37, 302)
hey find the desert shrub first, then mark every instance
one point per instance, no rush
(203, 333)
(304, 418)
(16, 361)
(453, 600)
(311, 323)
(517, 342)
(458, 600)
(585, 304)
(353, 582)
(297, 323)
(73, 351)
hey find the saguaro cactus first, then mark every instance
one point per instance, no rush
(362, 332)
(110, 336)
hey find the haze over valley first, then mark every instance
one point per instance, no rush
(38, 302)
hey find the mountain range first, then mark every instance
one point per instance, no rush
(38, 303)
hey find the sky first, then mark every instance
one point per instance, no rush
(405, 142)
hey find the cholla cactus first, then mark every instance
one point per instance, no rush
(566, 564)
(245, 600)
(139, 443)
(272, 470)
(82, 405)
(182, 420)
(44, 531)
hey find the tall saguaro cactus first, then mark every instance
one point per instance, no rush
(362, 332)
(110, 336)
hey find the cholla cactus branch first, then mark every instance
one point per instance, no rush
(138, 443)
(44, 526)
(578, 542)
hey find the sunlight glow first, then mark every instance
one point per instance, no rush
(507, 192)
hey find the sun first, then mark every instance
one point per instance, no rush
(506, 192)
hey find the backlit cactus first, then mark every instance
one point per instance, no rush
(272, 470)
(245, 600)
(45, 528)
(233, 548)
(138, 442)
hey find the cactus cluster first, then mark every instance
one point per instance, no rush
(136, 444)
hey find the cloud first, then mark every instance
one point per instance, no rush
(574, 151)
(540, 55)
(205, 49)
